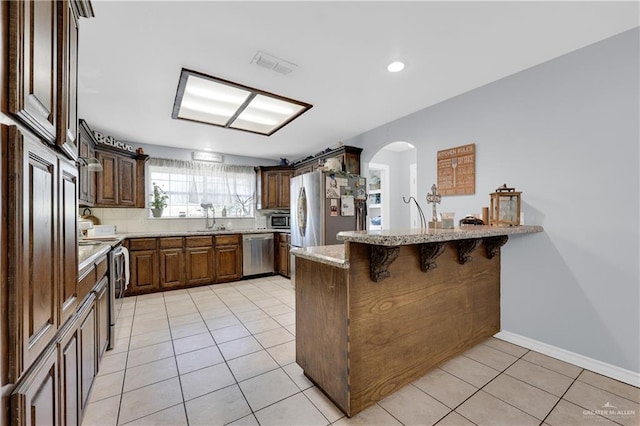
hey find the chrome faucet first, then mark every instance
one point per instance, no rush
(206, 207)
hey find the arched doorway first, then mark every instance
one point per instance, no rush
(391, 175)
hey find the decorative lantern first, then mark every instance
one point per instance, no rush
(505, 207)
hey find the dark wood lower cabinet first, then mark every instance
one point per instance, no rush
(200, 268)
(35, 400)
(171, 263)
(102, 311)
(68, 357)
(283, 259)
(88, 349)
(228, 258)
(144, 271)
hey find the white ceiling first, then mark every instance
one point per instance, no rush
(131, 55)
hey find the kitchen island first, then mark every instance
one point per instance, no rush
(385, 307)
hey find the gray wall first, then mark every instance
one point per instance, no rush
(566, 133)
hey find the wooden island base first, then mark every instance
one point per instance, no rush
(360, 340)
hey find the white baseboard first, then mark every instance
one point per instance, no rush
(621, 374)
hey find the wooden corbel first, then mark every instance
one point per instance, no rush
(428, 254)
(465, 248)
(493, 244)
(381, 258)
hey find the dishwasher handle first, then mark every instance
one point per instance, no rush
(247, 237)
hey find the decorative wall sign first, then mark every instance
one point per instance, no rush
(457, 170)
(108, 140)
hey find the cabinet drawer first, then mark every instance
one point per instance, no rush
(199, 241)
(142, 244)
(86, 283)
(101, 268)
(222, 240)
(174, 242)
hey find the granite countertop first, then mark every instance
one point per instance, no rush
(199, 233)
(87, 255)
(419, 236)
(333, 255)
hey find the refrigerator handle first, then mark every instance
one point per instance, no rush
(301, 211)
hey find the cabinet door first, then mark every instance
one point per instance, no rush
(83, 172)
(126, 181)
(270, 193)
(32, 65)
(88, 349)
(283, 258)
(33, 239)
(67, 78)
(106, 181)
(102, 311)
(171, 266)
(200, 266)
(68, 241)
(228, 259)
(69, 360)
(35, 400)
(144, 271)
(284, 186)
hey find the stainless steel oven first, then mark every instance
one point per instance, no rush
(118, 283)
(280, 220)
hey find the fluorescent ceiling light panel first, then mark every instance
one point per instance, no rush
(219, 102)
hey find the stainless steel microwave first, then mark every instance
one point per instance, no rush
(280, 221)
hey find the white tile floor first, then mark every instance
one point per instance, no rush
(225, 354)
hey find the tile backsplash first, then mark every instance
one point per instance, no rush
(138, 220)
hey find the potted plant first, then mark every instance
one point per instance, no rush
(159, 201)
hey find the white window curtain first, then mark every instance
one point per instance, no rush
(189, 184)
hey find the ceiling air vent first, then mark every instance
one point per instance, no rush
(273, 63)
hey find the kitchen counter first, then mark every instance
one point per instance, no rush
(199, 233)
(397, 303)
(87, 255)
(333, 255)
(421, 236)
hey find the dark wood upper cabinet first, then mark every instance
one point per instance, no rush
(33, 65)
(107, 180)
(273, 187)
(349, 157)
(68, 240)
(121, 183)
(86, 179)
(126, 182)
(33, 237)
(67, 125)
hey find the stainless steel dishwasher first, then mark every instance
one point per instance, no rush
(257, 254)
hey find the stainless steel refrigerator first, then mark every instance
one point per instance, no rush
(323, 204)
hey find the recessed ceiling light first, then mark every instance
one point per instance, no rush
(212, 100)
(395, 66)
